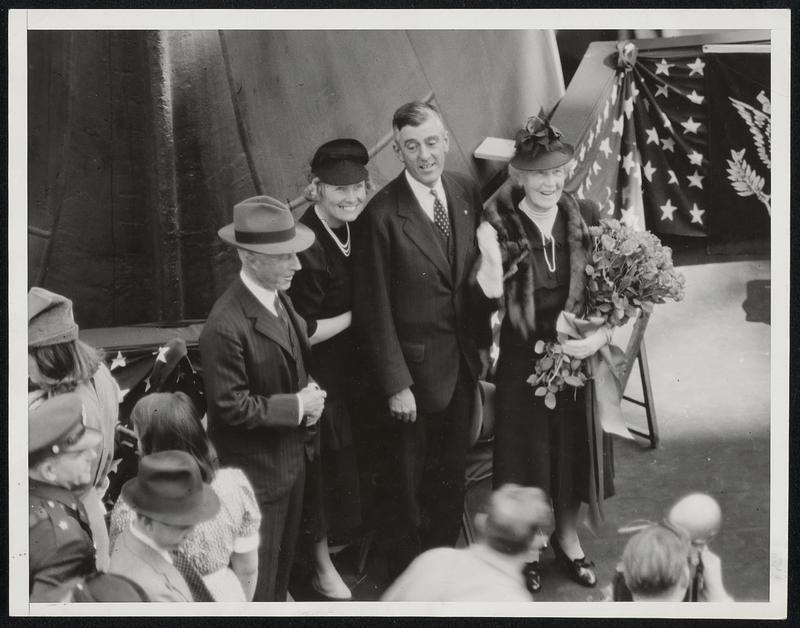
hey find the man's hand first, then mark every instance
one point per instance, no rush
(713, 590)
(403, 406)
(313, 399)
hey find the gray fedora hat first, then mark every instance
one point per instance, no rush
(170, 489)
(265, 225)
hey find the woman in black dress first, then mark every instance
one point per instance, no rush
(540, 233)
(321, 292)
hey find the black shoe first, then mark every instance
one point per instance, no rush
(533, 576)
(579, 569)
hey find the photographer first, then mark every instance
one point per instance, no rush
(660, 564)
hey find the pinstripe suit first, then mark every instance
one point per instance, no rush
(421, 321)
(252, 373)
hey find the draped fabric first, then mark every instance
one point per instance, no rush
(680, 144)
(141, 142)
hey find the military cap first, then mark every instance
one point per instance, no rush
(58, 425)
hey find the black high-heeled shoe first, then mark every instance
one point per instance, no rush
(579, 569)
(533, 576)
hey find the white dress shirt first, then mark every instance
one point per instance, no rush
(135, 531)
(267, 298)
(424, 197)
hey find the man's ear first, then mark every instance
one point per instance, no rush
(446, 140)
(397, 152)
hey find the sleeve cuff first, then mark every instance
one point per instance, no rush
(299, 409)
(245, 544)
(490, 281)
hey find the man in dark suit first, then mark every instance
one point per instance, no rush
(262, 409)
(422, 322)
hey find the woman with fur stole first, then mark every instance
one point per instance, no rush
(534, 244)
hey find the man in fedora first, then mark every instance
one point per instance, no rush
(61, 450)
(490, 570)
(262, 408)
(170, 499)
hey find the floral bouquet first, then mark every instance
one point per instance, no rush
(627, 271)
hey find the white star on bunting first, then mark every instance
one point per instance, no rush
(697, 214)
(118, 361)
(662, 90)
(648, 171)
(672, 177)
(147, 384)
(668, 144)
(697, 66)
(630, 218)
(695, 158)
(162, 352)
(596, 167)
(610, 207)
(617, 126)
(696, 98)
(695, 180)
(582, 154)
(605, 147)
(690, 126)
(663, 67)
(628, 163)
(628, 107)
(652, 136)
(667, 209)
(665, 121)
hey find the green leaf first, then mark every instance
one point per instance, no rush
(540, 392)
(539, 346)
(546, 363)
(572, 380)
(550, 400)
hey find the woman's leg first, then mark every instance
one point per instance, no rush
(566, 518)
(327, 579)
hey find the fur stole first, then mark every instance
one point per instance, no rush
(502, 214)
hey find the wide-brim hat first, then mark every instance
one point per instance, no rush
(341, 162)
(50, 318)
(265, 225)
(169, 488)
(540, 146)
(57, 426)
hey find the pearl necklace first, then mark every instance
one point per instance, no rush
(539, 218)
(343, 247)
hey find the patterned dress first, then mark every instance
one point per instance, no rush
(211, 543)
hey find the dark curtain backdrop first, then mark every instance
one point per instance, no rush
(140, 143)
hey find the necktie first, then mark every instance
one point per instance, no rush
(440, 217)
(284, 319)
(194, 580)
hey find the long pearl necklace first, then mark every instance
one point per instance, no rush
(539, 220)
(343, 247)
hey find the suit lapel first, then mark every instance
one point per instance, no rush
(263, 321)
(299, 326)
(463, 224)
(416, 226)
(172, 577)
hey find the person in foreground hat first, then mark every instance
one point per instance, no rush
(59, 362)
(224, 549)
(490, 570)
(170, 499)
(262, 407)
(322, 294)
(61, 450)
(534, 243)
(423, 327)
